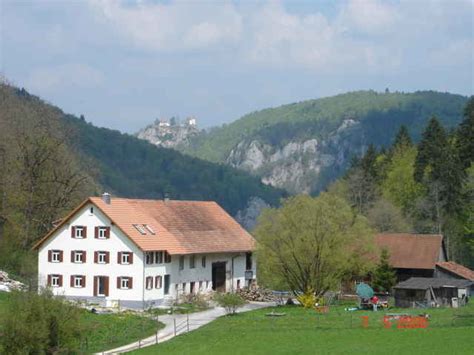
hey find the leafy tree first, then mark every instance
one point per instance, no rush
(385, 217)
(384, 276)
(311, 244)
(399, 185)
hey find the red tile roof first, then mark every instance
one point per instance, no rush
(411, 251)
(181, 227)
(457, 269)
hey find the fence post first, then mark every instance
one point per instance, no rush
(174, 321)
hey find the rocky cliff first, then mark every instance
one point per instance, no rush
(300, 165)
(168, 135)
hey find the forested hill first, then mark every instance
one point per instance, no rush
(303, 146)
(131, 167)
(50, 161)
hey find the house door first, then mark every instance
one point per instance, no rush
(167, 284)
(218, 276)
(101, 286)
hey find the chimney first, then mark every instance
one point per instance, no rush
(106, 198)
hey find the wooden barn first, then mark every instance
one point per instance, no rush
(431, 292)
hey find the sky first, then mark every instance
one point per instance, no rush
(122, 64)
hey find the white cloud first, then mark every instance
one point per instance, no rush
(174, 26)
(50, 79)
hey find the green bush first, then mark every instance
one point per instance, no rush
(35, 323)
(230, 301)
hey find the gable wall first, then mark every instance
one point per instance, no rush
(62, 240)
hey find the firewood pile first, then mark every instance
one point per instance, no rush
(256, 294)
(7, 284)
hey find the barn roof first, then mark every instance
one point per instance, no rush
(179, 227)
(457, 269)
(411, 251)
(424, 283)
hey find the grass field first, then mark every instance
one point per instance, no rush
(303, 331)
(106, 331)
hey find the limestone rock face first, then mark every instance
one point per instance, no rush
(300, 165)
(166, 135)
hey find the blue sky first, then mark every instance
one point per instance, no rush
(124, 63)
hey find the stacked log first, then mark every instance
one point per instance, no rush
(256, 294)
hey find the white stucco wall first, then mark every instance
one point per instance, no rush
(117, 242)
(198, 273)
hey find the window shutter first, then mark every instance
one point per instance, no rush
(95, 285)
(49, 280)
(73, 232)
(96, 232)
(60, 280)
(83, 281)
(50, 257)
(119, 257)
(107, 232)
(72, 281)
(84, 254)
(106, 286)
(130, 282)
(107, 257)
(84, 231)
(130, 258)
(96, 256)
(72, 256)
(60, 256)
(118, 282)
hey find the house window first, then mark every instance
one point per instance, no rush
(159, 257)
(78, 256)
(158, 282)
(203, 262)
(125, 258)
(149, 229)
(103, 232)
(56, 256)
(192, 287)
(181, 262)
(167, 257)
(140, 228)
(149, 257)
(55, 280)
(125, 283)
(184, 287)
(79, 232)
(92, 210)
(192, 261)
(102, 257)
(149, 282)
(238, 284)
(248, 261)
(77, 281)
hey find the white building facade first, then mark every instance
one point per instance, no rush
(90, 256)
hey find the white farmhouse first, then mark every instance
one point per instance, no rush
(144, 252)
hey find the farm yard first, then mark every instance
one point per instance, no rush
(303, 331)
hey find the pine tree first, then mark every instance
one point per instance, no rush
(402, 139)
(465, 136)
(431, 152)
(384, 276)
